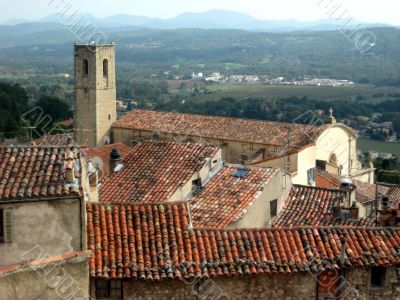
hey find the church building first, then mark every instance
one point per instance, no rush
(298, 149)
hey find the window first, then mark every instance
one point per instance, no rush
(378, 277)
(108, 289)
(85, 67)
(105, 68)
(273, 208)
(109, 116)
(196, 186)
(6, 225)
(244, 159)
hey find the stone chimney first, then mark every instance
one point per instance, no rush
(389, 217)
(347, 185)
(354, 211)
(115, 159)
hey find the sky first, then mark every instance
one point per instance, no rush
(383, 11)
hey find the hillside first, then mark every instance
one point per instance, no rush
(165, 53)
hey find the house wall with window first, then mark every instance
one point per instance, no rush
(300, 286)
(56, 226)
(261, 212)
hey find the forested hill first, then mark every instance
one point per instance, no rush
(151, 52)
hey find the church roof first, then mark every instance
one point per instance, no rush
(228, 195)
(223, 128)
(154, 171)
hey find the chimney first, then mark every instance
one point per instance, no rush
(388, 217)
(69, 166)
(115, 159)
(347, 185)
(354, 211)
(342, 250)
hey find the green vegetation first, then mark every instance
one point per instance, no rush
(17, 112)
(366, 145)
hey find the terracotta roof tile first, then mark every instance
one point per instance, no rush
(153, 242)
(365, 192)
(394, 196)
(226, 197)
(62, 139)
(32, 172)
(154, 171)
(307, 205)
(103, 152)
(223, 128)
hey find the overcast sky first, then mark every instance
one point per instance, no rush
(384, 11)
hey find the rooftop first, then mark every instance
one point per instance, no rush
(38, 172)
(103, 152)
(307, 205)
(365, 191)
(154, 171)
(223, 128)
(227, 196)
(153, 242)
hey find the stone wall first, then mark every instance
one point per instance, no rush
(290, 287)
(95, 95)
(54, 225)
(68, 280)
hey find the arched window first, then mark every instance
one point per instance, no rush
(85, 67)
(105, 67)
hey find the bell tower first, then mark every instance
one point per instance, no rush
(95, 94)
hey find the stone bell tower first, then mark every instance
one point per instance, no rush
(95, 94)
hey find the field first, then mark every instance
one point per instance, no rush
(248, 90)
(367, 144)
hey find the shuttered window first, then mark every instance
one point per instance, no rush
(6, 225)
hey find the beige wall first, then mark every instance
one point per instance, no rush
(258, 214)
(53, 225)
(339, 141)
(306, 160)
(69, 280)
(95, 95)
(231, 150)
(185, 192)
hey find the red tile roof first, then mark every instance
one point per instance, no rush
(44, 261)
(307, 205)
(365, 192)
(235, 129)
(103, 152)
(153, 242)
(226, 198)
(62, 139)
(394, 196)
(154, 171)
(33, 172)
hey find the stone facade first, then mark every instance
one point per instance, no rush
(65, 280)
(95, 94)
(294, 286)
(56, 226)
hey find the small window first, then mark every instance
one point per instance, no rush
(196, 186)
(105, 68)
(108, 289)
(273, 208)
(368, 209)
(85, 67)
(6, 225)
(378, 277)
(109, 116)
(244, 159)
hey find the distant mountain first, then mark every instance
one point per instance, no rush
(213, 19)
